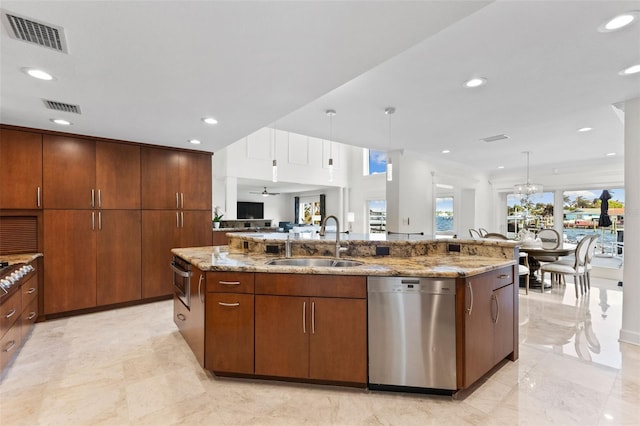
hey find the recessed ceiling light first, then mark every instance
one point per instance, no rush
(61, 122)
(633, 69)
(210, 120)
(618, 22)
(39, 74)
(501, 167)
(475, 82)
(445, 151)
(194, 141)
(611, 154)
(585, 129)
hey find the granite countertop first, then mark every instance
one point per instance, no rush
(245, 229)
(447, 265)
(19, 258)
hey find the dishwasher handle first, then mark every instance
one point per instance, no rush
(470, 308)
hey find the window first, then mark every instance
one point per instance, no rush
(444, 215)
(376, 162)
(377, 216)
(534, 211)
(581, 216)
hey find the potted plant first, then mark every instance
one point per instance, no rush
(217, 215)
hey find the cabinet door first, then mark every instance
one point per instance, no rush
(230, 333)
(119, 256)
(195, 228)
(478, 328)
(20, 169)
(282, 336)
(69, 172)
(195, 181)
(503, 322)
(160, 178)
(159, 236)
(69, 260)
(117, 176)
(338, 342)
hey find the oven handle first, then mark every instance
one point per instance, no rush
(180, 272)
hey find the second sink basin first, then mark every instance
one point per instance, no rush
(317, 262)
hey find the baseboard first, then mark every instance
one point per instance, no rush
(629, 336)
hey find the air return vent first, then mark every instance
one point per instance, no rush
(495, 138)
(61, 106)
(26, 29)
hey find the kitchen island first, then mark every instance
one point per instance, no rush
(309, 323)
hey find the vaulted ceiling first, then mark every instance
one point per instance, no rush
(150, 71)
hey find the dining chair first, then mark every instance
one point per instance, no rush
(577, 268)
(482, 232)
(474, 233)
(495, 236)
(524, 270)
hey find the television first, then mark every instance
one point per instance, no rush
(250, 210)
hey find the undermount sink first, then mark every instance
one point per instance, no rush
(305, 261)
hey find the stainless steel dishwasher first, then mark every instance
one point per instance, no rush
(412, 333)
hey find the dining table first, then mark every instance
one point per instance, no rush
(537, 252)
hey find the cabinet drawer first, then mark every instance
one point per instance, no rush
(10, 311)
(29, 290)
(230, 282)
(9, 345)
(348, 286)
(29, 317)
(180, 314)
(501, 277)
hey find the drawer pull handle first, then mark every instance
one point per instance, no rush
(229, 282)
(229, 304)
(31, 316)
(181, 317)
(31, 290)
(10, 314)
(501, 276)
(7, 349)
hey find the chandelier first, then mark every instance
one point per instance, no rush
(525, 189)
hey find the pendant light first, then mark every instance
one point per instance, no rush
(388, 111)
(524, 190)
(330, 113)
(274, 167)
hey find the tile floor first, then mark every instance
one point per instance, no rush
(131, 367)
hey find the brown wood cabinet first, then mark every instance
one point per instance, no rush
(488, 323)
(175, 180)
(18, 313)
(69, 172)
(85, 174)
(319, 336)
(70, 260)
(21, 166)
(190, 321)
(229, 337)
(118, 256)
(163, 230)
(92, 258)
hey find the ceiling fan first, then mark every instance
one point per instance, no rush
(265, 193)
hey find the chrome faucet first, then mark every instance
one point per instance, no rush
(322, 232)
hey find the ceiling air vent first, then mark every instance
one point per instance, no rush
(495, 138)
(61, 106)
(26, 29)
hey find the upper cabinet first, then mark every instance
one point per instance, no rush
(117, 176)
(21, 165)
(175, 180)
(69, 170)
(84, 174)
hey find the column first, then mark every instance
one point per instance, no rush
(630, 331)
